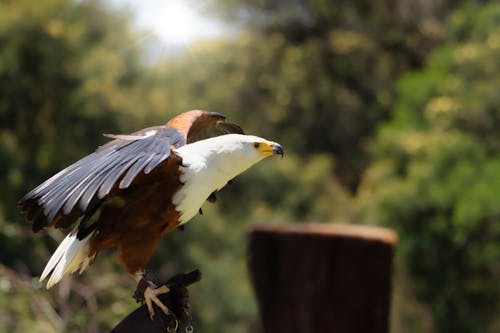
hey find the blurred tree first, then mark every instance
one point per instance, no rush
(435, 175)
(321, 73)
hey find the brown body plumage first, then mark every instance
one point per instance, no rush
(135, 220)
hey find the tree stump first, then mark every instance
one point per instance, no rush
(322, 277)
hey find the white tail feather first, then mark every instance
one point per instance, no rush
(71, 255)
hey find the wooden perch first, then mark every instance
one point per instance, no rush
(177, 300)
(322, 277)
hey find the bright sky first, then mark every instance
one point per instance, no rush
(175, 22)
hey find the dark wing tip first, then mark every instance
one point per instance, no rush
(33, 213)
(216, 115)
(229, 128)
(203, 114)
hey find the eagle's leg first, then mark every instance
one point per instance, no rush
(150, 293)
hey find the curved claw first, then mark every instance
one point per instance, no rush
(151, 296)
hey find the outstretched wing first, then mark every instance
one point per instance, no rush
(96, 174)
(72, 192)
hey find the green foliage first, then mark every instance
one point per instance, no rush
(318, 73)
(435, 175)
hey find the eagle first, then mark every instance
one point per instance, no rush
(137, 188)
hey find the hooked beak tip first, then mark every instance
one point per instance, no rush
(278, 150)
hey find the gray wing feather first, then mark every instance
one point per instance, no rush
(84, 185)
(112, 177)
(134, 170)
(97, 173)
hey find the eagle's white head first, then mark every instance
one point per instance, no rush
(208, 165)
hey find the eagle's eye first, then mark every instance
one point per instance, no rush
(256, 144)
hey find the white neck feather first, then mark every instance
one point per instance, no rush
(209, 165)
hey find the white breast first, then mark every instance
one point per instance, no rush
(208, 166)
(199, 181)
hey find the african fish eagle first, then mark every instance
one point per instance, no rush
(136, 188)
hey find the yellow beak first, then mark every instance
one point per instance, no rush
(268, 148)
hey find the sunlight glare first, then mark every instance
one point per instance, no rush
(175, 22)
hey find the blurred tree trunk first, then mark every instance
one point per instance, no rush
(322, 278)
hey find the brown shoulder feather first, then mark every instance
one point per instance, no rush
(198, 125)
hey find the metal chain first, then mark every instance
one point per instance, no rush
(173, 329)
(189, 328)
